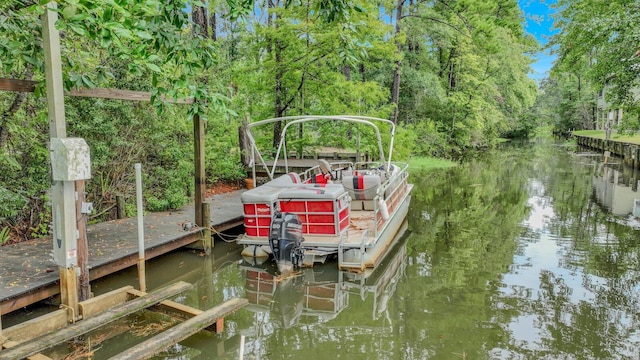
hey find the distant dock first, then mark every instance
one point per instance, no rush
(628, 152)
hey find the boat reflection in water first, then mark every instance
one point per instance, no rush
(322, 291)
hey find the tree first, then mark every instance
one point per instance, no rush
(598, 42)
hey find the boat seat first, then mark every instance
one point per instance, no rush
(268, 192)
(362, 189)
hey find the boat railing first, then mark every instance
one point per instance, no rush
(365, 239)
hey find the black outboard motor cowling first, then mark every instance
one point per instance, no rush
(285, 238)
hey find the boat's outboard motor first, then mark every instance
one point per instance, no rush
(285, 238)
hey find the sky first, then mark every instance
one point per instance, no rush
(539, 24)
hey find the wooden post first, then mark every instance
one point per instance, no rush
(243, 141)
(83, 245)
(206, 224)
(120, 212)
(62, 194)
(69, 292)
(141, 266)
(198, 157)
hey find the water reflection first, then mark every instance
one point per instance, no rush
(512, 255)
(316, 297)
(616, 190)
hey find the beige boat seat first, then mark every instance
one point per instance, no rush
(362, 189)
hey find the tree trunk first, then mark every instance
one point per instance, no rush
(213, 22)
(277, 89)
(278, 106)
(346, 71)
(199, 17)
(395, 89)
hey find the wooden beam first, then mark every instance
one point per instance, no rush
(101, 303)
(18, 85)
(39, 326)
(22, 300)
(10, 344)
(57, 320)
(117, 94)
(148, 348)
(172, 308)
(82, 327)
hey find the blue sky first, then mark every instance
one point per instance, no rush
(539, 24)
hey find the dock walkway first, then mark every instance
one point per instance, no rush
(28, 273)
(628, 152)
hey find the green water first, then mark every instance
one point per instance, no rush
(526, 253)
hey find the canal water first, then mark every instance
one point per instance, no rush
(529, 252)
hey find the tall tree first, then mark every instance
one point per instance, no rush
(597, 43)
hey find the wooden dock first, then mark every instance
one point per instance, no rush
(29, 275)
(28, 339)
(629, 153)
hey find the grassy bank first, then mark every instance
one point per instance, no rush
(600, 134)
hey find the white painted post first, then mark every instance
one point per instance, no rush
(241, 355)
(63, 192)
(141, 265)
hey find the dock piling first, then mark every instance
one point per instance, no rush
(206, 225)
(141, 265)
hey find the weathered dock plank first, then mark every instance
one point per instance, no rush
(148, 348)
(46, 341)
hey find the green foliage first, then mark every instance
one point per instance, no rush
(41, 226)
(4, 235)
(597, 45)
(423, 139)
(148, 37)
(466, 70)
(12, 204)
(462, 66)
